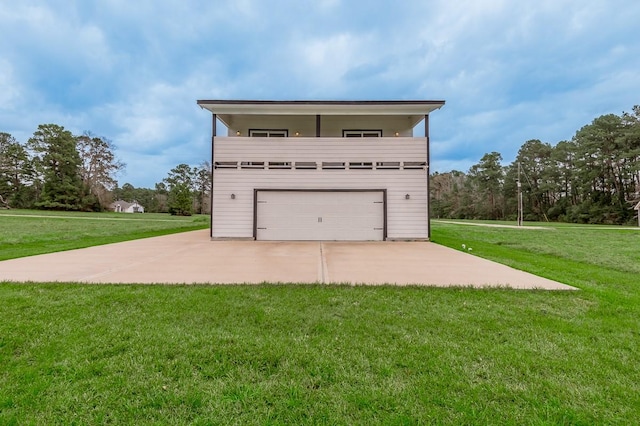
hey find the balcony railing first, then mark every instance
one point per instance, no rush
(305, 152)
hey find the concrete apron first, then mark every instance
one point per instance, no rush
(192, 258)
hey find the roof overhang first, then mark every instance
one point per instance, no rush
(414, 109)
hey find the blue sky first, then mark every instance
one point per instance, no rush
(131, 71)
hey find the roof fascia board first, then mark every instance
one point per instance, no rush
(321, 107)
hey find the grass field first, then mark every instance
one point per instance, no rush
(292, 354)
(30, 232)
(577, 255)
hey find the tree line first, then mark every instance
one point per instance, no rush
(184, 191)
(57, 170)
(592, 178)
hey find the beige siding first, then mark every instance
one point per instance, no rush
(320, 149)
(305, 125)
(331, 126)
(406, 219)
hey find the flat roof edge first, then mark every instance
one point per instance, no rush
(317, 102)
(242, 107)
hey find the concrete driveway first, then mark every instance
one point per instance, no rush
(192, 258)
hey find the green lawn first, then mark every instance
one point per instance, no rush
(598, 258)
(295, 354)
(30, 232)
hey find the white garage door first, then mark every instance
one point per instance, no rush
(320, 215)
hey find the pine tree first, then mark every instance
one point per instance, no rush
(180, 183)
(59, 166)
(15, 171)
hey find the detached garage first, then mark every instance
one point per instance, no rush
(320, 170)
(323, 215)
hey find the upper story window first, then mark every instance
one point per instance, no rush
(362, 133)
(306, 165)
(388, 165)
(361, 165)
(268, 133)
(226, 165)
(333, 165)
(252, 164)
(279, 164)
(415, 165)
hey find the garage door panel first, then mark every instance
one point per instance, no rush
(320, 215)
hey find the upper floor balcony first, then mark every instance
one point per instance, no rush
(322, 150)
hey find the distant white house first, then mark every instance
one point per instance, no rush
(320, 170)
(121, 206)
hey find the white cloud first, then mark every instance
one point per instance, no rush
(54, 33)
(9, 86)
(323, 62)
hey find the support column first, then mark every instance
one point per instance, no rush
(317, 126)
(213, 166)
(426, 135)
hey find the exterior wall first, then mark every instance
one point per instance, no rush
(125, 207)
(331, 126)
(233, 217)
(305, 125)
(132, 209)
